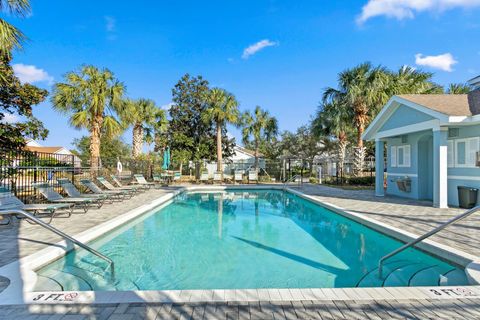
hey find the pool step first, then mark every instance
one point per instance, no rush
(405, 273)
(73, 278)
(371, 279)
(45, 283)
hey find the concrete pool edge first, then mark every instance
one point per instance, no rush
(21, 283)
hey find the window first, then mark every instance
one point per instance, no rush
(400, 156)
(465, 152)
(403, 156)
(393, 157)
(450, 153)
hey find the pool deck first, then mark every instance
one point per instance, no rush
(23, 239)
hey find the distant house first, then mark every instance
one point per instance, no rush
(60, 153)
(241, 159)
(432, 143)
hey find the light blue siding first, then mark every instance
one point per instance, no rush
(404, 116)
(421, 146)
(472, 175)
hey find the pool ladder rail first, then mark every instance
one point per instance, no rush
(61, 234)
(425, 236)
(292, 179)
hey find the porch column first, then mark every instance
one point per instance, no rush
(440, 170)
(379, 168)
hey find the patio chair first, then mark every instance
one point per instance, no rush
(142, 181)
(204, 177)
(119, 184)
(9, 201)
(252, 176)
(217, 177)
(72, 191)
(238, 176)
(128, 190)
(177, 175)
(118, 195)
(51, 195)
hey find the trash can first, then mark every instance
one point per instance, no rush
(467, 197)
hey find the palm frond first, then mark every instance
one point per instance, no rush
(10, 37)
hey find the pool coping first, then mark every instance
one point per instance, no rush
(21, 284)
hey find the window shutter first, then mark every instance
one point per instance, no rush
(450, 153)
(406, 156)
(393, 156)
(472, 148)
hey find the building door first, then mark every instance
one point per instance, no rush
(425, 167)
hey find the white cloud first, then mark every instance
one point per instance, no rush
(167, 106)
(110, 23)
(406, 9)
(10, 118)
(443, 61)
(254, 48)
(30, 74)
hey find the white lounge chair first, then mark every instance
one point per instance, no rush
(253, 176)
(204, 177)
(9, 201)
(238, 176)
(142, 181)
(51, 195)
(217, 177)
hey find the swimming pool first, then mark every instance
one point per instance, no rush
(244, 239)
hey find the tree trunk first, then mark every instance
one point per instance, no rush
(137, 141)
(219, 149)
(95, 133)
(256, 155)
(359, 151)
(342, 150)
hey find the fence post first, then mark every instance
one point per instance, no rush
(73, 168)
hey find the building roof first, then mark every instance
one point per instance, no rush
(248, 151)
(43, 149)
(449, 104)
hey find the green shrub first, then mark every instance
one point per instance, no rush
(361, 181)
(313, 180)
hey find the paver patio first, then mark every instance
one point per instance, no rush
(413, 216)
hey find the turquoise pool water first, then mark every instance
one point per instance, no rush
(244, 239)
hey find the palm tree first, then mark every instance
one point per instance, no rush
(92, 98)
(156, 134)
(360, 89)
(222, 109)
(141, 115)
(408, 80)
(261, 126)
(11, 37)
(332, 120)
(458, 88)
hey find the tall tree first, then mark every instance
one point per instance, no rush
(458, 88)
(111, 149)
(408, 80)
(222, 109)
(190, 136)
(16, 100)
(364, 89)
(93, 99)
(141, 115)
(333, 122)
(157, 133)
(10, 36)
(260, 126)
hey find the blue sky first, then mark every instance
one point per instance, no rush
(296, 49)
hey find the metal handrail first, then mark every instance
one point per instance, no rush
(425, 236)
(291, 180)
(61, 234)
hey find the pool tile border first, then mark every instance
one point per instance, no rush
(20, 289)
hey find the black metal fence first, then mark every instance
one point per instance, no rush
(19, 169)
